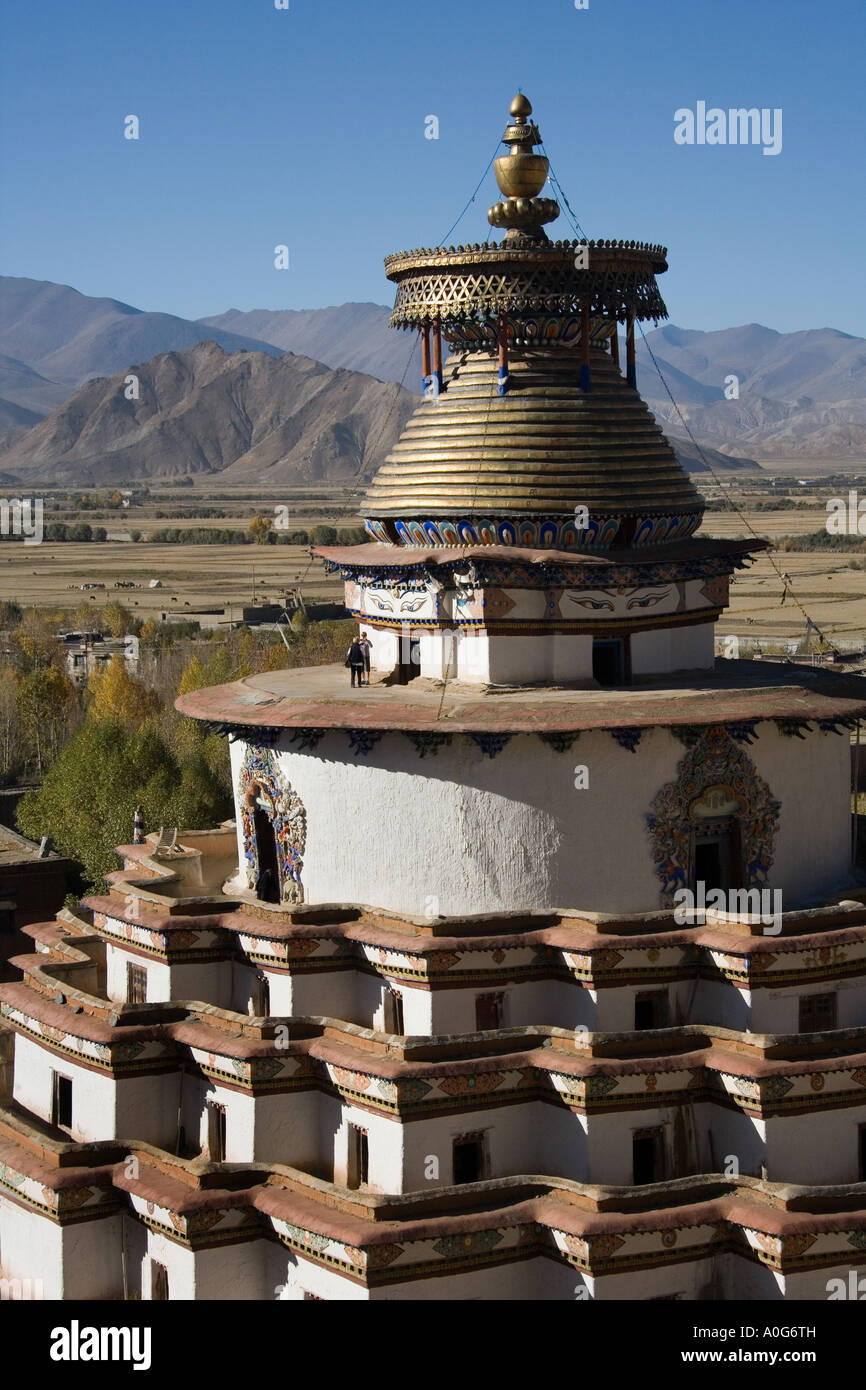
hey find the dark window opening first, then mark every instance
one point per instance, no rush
(216, 1132)
(488, 1012)
(136, 984)
(608, 662)
(393, 1011)
(647, 1148)
(862, 1154)
(817, 1013)
(268, 882)
(61, 1101)
(651, 1009)
(158, 1282)
(359, 1158)
(468, 1158)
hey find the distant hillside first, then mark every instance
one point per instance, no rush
(52, 339)
(356, 336)
(692, 461)
(244, 415)
(801, 395)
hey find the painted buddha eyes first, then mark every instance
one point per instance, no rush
(648, 600)
(409, 603)
(636, 600)
(593, 603)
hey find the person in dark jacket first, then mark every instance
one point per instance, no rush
(355, 662)
(366, 647)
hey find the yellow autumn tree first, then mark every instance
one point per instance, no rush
(115, 617)
(34, 642)
(193, 678)
(117, 695)
(259, 529)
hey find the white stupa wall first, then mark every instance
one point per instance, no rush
(460, 832)
(482, 658)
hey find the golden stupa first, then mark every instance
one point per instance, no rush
(531, 421)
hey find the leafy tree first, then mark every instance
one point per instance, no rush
(10, 614)
(116, 618)
(82, 532)
(33, 642)
(259, 529)
(193, 678)
(11, 733)
(324, 535)
(86, 618)
(119, 697)
(88, 798)
(44, 699)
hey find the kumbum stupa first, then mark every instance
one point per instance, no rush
(425, 1020)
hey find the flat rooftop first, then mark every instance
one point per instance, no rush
(15, 849)
(321, 697)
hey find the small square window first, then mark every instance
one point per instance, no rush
(817, 1013)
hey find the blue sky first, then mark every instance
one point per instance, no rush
(306, 127)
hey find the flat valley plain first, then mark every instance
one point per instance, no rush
(830, 584)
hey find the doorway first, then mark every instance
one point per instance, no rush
(158, 1282)
(393, 1019)
(358, 1167)
(715, 855)
(268, 882)
(216, 1132)
(488, 1012)
(468, 1158)
(647, 1148)
(409, 661)
(609, 661)
(651, 1009)
(61, 1100)
(261, 997)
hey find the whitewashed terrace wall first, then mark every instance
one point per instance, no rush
(138, 1107)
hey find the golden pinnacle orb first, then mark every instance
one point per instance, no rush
(521, 175)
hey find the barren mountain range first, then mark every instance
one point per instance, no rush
(244, 415)
(288, 395)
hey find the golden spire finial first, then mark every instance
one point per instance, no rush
(521, 175)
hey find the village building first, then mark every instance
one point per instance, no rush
(87, 653)
(34, 881)
(442, 1012)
